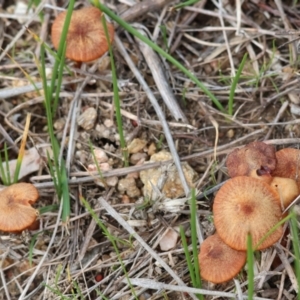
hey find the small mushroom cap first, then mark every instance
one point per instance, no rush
(247, 205)
(86, 40)
(288, 164)
(254, 156)
(287, 190)
(218, 262)
(16, 213)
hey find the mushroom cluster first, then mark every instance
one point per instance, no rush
(263, 184)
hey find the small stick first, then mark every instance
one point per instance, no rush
(155, 67)
(158, 111)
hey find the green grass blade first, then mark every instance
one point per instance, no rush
(187, 256)
(52, 172)
(159, 50)
(59, 80)
(234, 84)
(49, 208)
(5, 173)
(112, 239)
(7, 165)
(280, 223)
(59, 60)
(195, 241)
(101, 295)
(56, 165)
(66, 207)
(250, 264)
(31, 247)
(296, 247)
(116, 97)
(186, 3)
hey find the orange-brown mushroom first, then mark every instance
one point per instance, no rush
(247, 205)
(16, 212)
(218, 262)
(86, 40)
(261, 175)
(254, 156)
(288, 164)
(287, 190)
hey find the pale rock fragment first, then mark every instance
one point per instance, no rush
(103, 167)
(87, 119)
(136, 146)
(59, 124)
(128, 185)
(100, 155)
(138, 158)
(151, 149)
(168, 240)
(105, 132)
(171, 185)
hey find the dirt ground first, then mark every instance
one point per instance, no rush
(164, 113)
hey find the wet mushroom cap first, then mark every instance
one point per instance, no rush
(247, 205)
(288, 164)
(218, 262)
(16, 213)
(86, 40)
(254, 156)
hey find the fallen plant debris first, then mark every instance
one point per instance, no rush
(194, 81)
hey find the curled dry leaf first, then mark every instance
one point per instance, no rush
(254, 156)
(31, 162)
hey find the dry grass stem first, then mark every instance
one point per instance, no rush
(166, 116)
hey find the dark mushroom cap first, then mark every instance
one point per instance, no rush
(218, 262)
(254, 156)
(16, 213)
(86, 40)
(247, 205)
(288, 164)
